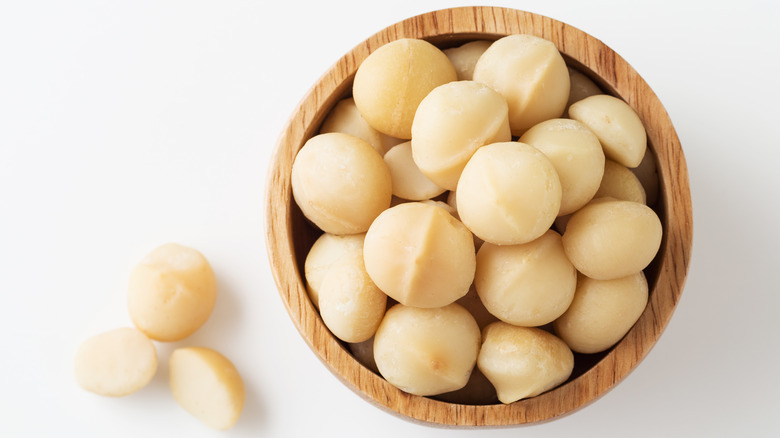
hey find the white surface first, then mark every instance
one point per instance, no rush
(124, 125)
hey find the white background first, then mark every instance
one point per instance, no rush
(124, 125)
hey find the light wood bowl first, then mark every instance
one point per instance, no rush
(289, 236)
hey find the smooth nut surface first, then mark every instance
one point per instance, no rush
(327, 250)
(340, 183)
(408, 181)
(427, 351)
(620, 182)
(115, 363)
(171, 292)
(464, 58)
(345, 118)
(581, 87)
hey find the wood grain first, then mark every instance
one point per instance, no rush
(289, 236)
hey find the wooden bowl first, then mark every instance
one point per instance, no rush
(289, 236)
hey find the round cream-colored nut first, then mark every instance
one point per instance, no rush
(508, 193)
(617, 126)
(392, 81)
(465, 57)
(609, 238)
(523, 362)
(345, 118)
(528, 285)
(576, 154)
(408, 181)
(115, 363)
(530, 73)
(327, 250)
(207, 385)
(581, 87)
(351, 305)
(340, 183)
(602, 312)
(171, 292)
(647, 172)
(427, 351)
(620, 183)
(451, 123)
(420, 255)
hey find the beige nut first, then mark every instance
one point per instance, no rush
(327, 250)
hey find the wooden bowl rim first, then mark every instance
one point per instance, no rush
(615, 74)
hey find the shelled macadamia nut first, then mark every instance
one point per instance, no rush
(465, 57)
(115, 363)
(523, 362)
(528, 285)
(647, 172)
(530, 73)
(576, 154)
(207, 385)
(408, 182)
(392, 81)
(345, 118)
(327, 250)
(340, 183)
(427, 351)
(351, 305)
(620, 183)
(508, 193)
(451, 123)
(420, 255)
(602, 312)
(616, 124)
(610, 238)
(171, 292)
(581, 87)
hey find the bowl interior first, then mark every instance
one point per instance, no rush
(290, 235)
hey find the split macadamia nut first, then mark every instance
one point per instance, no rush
(420, 255)
(576, 154)
(620, 183)
(392, 81)
(427, 351)
(115, 363)
(610, 238)
(327, 250)
(171, 292)
(602, 312)
(531, 74)
(617, 126)
(581, 87)
(207, 385)
(351, 305)
(408, 182)
(509, 193)
(345, 118)
(340, 183)
(465, 57)
(451, 123)
(522, 362)
(530, 284)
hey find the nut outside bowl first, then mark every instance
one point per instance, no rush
(289, 236)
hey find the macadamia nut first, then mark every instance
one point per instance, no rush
(602, 312)
(581, 87)
(523, 362)
(609, 238)
(115, 363)
(617, 126)
(576, 154)
(465, 57)
(620, 183)
(508, 193)
(392, 81)
(408, 182)
(420, 255)
(427, 351)
(171, 292)
(340, 183)
(327, 250)
(530, 284)
(647, 172)
(530, 73)
(345, 118)
(451, 123)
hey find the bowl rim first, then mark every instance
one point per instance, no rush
(615, 75)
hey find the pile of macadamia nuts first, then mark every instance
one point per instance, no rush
(485, 214)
